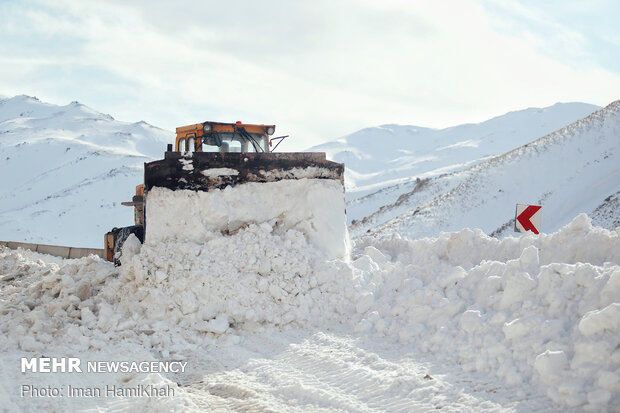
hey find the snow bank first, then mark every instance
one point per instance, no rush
(536, 310)
(258, 275)
(213, 262)
(314, 207)
(542, 310)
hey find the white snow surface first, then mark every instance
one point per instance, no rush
(215, 172)
(314, 207)
(64, 171)
(383, 163)
(257, 288)
(573, 170)
(267, 321)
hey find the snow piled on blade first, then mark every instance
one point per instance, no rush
(313, 207)
(536, 312)
(257, 275)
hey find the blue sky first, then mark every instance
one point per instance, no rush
(318, 70)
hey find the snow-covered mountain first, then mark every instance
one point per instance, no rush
(383, 163)
(575, 169)
(386, 153)
(65, 169)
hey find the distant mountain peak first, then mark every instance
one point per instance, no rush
(568, 171)
(70, 167)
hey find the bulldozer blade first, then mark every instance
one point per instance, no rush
(204, 171)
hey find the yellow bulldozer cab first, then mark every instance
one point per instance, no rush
(224, 137)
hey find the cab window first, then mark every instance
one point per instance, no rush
(234, 142)
(182, 145)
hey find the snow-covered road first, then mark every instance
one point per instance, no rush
(327, 371)
(266, 321)
(285, 370)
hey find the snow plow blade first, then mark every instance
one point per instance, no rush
(204, 171)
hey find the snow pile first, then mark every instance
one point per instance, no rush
(537, 311)
(203, 269)
(270, 253)
(543, 310)
(314, 207)
(259, 275)
(45, 299)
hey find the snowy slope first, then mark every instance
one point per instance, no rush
(575, 169)
(383, 162)
(65, 169)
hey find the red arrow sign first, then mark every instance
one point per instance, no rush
(524, 218)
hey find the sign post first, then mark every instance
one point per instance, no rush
(527, 218)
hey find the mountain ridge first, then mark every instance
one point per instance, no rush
(470, 181)
(67, 168)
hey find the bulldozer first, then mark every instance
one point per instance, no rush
(215, 155)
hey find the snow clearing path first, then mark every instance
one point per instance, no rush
(287, 371)
(331, 372)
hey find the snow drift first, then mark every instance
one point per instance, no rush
(533, 311)
(314, 207)
(540, 310)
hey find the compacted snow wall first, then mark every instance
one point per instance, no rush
(314, 207)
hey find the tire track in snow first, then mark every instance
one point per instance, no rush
(328, 372)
